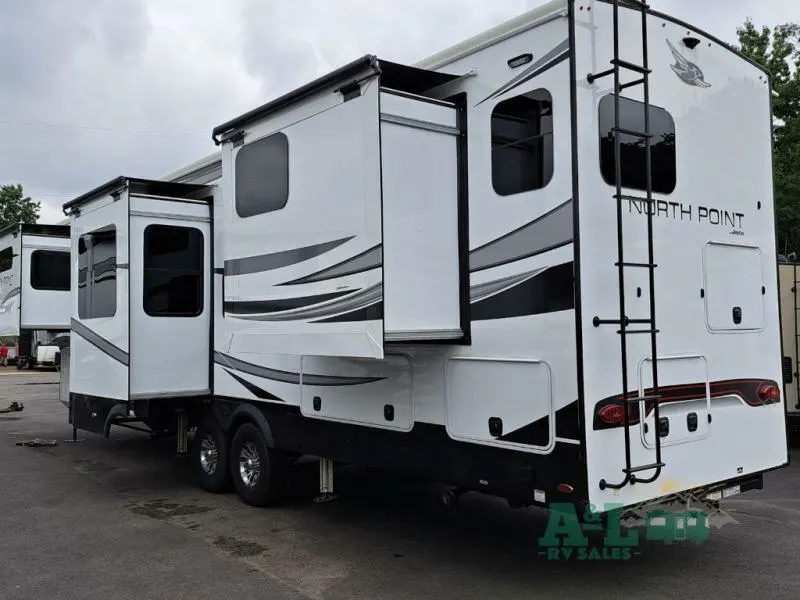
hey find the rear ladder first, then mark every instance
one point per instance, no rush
(646, 326)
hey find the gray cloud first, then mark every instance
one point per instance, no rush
(91, 90)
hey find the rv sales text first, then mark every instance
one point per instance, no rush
(687, 212)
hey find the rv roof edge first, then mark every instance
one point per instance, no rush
(51, 230)
(356, 67)
(207, 165)
(548, 11)
(151, 187)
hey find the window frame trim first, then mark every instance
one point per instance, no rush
(200, 271)
(90, 272)
(50, 289)
(550, 134)
(274, 135)
(674, 132)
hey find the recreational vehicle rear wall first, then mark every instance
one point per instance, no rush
(34, 287)
(522, 266)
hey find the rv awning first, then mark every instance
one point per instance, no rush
(393, 75)
(150, 187)
(37, 229)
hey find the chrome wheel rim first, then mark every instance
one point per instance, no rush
(249, 464)
(209, 454)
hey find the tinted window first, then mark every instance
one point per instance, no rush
(173, 271)
(97, 274)
(632, 151)
(6, 259)
(50, 270)
(522, 143)
(262, 176)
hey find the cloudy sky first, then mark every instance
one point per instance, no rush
(91, 89)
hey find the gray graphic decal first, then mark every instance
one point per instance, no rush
(688, 72)
(550, 231)
(276, 260)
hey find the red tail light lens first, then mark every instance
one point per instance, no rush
(769, 393)
(612, 414)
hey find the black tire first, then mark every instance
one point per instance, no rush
(269, 486)
(209, 437)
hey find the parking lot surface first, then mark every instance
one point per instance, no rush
(121, 518)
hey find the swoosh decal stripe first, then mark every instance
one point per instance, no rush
(349, 303)
(277, 260)
(547, 232)
(370, 259)
(236, 364)
(253, 389)
(11, 294)
(99, 342)
(551, 290)
(546, 62)
(260, 307)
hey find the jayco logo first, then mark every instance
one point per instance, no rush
(688, 72)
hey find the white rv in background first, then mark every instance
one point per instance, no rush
(789, 273)
(35, 300)
(522, 266)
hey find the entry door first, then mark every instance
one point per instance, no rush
(170, 302)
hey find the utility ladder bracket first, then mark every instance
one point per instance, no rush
(630, 471)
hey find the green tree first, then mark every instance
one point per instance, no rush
(777, 50)
(16, 207)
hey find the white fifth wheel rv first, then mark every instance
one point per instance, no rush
(521, 266)
(35, 300)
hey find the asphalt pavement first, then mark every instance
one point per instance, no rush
(121, 518)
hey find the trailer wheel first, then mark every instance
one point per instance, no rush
(259, 473)
(210, 456)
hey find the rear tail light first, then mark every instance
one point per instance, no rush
(612, 414)
(769, 393)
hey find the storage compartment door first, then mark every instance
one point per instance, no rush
(422, 280)
(733, 287)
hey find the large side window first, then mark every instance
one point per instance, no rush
(262, 176)
(522, 143)
(633, 159)
(6, 259)
(97, 274)
(50, 270)
(173, 271)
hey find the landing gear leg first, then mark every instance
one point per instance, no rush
(325, 481)
(183, 433)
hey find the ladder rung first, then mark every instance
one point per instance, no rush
(632, 132)
(637, 331)
(637, 265)
(644, 468)
(630, 66)
(597, 321)
(630, 84)
(644, 398)
(592, 77)
(636, 198)
(637, 3)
